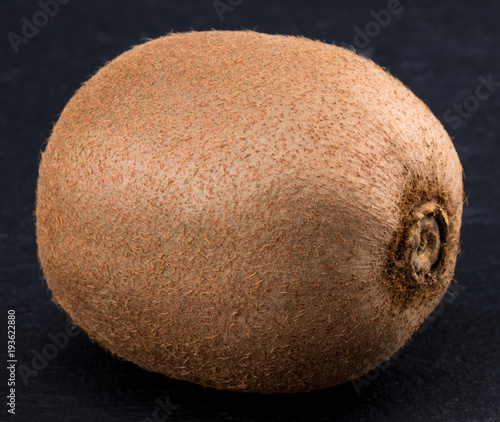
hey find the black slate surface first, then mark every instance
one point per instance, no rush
(450, 371)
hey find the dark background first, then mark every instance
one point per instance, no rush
(449, 372)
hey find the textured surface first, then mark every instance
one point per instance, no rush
(449, 372)
(207, 215)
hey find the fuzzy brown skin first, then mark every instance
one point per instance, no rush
(241, 210)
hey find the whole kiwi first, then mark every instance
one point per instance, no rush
(249, 212)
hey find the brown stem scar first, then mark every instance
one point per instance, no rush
(426, 243)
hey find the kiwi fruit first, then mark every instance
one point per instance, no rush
(248, 212)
